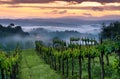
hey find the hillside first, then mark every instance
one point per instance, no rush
(11, 30)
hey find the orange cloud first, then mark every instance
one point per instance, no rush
(47, 1)
(58, 9)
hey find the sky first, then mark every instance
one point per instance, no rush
(60, 8)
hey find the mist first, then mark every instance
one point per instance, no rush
(81, 28)
(43, 34)
(46, 30)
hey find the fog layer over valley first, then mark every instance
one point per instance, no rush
(46, 30)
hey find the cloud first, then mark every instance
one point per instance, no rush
(47, 1)
(63, 12)
(100, 1)
(57, 12)
(54, 12)
(97, 8)
(104, 17)
(87, 14)
(24, 1)
(102, 8)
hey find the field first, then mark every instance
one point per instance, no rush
(33, 67)
(84, 62)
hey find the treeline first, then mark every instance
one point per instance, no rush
(11, 30)
(82, 56)
(49, 34)
(111, 31)
(9, 64)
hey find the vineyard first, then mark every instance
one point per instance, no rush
(33, 67)
(83, 58)
(9, 64)
(25, 64)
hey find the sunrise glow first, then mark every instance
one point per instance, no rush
(55, 9)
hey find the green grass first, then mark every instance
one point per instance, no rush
(33, 67)
(95, 68)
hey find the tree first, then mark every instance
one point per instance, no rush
(110, 31)
(10, 30)
(11, 25)
(18, 29)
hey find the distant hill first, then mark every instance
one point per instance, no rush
(11, 30)
(53, 21)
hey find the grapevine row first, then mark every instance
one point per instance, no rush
(60, 55)
(9, 64)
